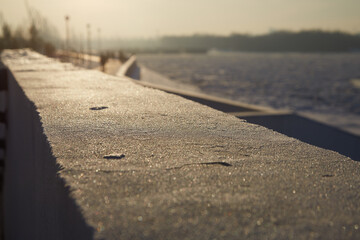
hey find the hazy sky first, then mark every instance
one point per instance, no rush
(149, 18)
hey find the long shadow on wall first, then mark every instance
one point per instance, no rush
(311, 132)
(37, 201)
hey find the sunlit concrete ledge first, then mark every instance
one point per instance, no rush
(91, 156)
(324, 134)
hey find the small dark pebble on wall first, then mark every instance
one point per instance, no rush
(114, 156)
(98, 108)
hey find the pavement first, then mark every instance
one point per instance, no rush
(144, 164)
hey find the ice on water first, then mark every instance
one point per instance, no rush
(322, 85)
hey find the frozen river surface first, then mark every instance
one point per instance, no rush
(323, 86)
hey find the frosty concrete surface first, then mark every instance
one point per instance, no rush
(143, 164)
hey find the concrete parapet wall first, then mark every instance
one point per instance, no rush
(91, 156)
(285, 122)
(37, 201)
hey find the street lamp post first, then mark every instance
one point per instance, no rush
(67, 18)
(82, 52)
(99, 40)
(89, 43)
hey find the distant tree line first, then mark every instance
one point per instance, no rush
(282, 41)
(36, 33)
(10, 40)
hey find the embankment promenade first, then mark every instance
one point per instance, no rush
(93, 156)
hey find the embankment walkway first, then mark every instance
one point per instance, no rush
(91, 156)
